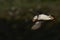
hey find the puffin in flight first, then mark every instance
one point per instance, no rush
(37, 19)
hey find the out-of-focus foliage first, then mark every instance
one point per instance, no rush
(25, 5)
(20, 13)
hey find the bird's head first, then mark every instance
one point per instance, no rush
(51, 17)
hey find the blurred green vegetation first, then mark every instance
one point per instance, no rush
(25, 5)
(25, 11)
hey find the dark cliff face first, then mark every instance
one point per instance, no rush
(44, 34)
(23, 30)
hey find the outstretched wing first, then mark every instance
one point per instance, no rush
(36, 25)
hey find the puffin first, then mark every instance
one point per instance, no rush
(39, 19)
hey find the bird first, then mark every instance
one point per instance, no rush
(39, 19)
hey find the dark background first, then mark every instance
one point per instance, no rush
(17, 26)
